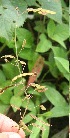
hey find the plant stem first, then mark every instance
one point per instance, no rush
(17, 53)
(44, 76)
(1, 49)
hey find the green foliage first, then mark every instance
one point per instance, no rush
(24, 38)
(54, 6)
(4, 108)
(2, 77)
(36, 129)
(16, 105)
(9, 70)
(9, 16)
(5, 97)
(55, 97)
(63, 66)
(44, 44)
(24, 34)
(59, 32)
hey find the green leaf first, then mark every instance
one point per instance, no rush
(51, 28)
(4, 108)
(59, 111)
(29, 105)
(30, 2)
(53, 6)
(45, 132)
(6, 84)
(36, 130)
(63, 3)
(9, 70)
(16, 102)
(27, 54)
(63, 62)
(2, 77)
(44, 44)
(27, 118)
(66, 14)
(55, 97)
(32, 62)
(63, 66)
(52, 66)
(59, 52)
(39, 27)
(65, 88)
(43, 98)
(31, 90)
(6, 96)
(18, 90)
(59, 32)
(9, 16)
(22, 34)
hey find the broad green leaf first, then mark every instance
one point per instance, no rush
(9, 70)
(52, 66)
(28, 103)
(2, 77)
(2, 40)
(59, 33)
(31, 2)
(51, 28)
(53, 6)
(39, 27)
(11, 43)
(65, 88)
(27, 118)
(4, 108)
(6, 84)
(45, 132)
(63, 66)
(21, 5)
(66, 14)
(31, 90)
(16, 102)
(57, 111)
(43, 98)
(44, 44)
(6, 96)
(63, 3)
(63, 62)
(10, 18)
(55, 97)
(22, 34)
(36, 130)
(59, 52)
(18, 90)
(27, 54)
(32, 62)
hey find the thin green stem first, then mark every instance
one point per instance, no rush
(44, 76)
(1, 49)
(17, 53)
